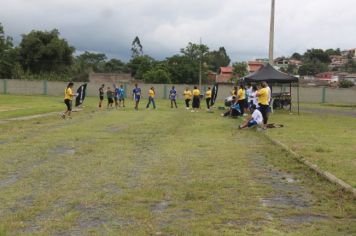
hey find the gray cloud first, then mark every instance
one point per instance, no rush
(165, 26)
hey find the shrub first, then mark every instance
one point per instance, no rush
(346, 84)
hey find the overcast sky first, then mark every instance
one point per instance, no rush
(165, 26)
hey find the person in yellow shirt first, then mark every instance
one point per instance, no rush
(241, 99)
(263, 103)
(187, 97)
(68, 97)
(196, 99)
(208, 98)
(151, 98)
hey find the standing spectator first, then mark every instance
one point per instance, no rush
(208, 98)
(68, 97)
(249, 95)
(110, 97)
(121, 96)
(136, 96)
(263, 104)
(187, 97)
(254, 96)
(196, 99)
(241, 98)
(173, 97)
(101, 95)
(116, 96)
(151, 96)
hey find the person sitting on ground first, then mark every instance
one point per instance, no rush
(234, 110)
(255, 119)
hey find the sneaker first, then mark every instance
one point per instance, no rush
(192, 111)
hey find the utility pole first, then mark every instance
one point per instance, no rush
(200, 64)
(271, 34)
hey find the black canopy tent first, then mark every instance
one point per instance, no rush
(272, 76)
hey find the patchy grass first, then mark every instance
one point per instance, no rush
(327, 140)
(158, 172)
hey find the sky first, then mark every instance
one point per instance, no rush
(166, 26)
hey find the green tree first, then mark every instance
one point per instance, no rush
(8, 55)
(115, 66)
(45, 52)
(296, 56)
(157, 74)
(140, 65)
(136, 48)
(312, 68)
(196, 51)
(240, 69)
(332, 52)
(217, 59)
(183, 69)
(92, 61)
(316, 55)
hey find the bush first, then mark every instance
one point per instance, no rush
(346, 84)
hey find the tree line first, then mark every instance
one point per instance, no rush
(45, 55)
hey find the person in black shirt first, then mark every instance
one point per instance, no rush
(101, 95)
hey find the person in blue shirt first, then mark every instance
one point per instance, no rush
(136, 95)
(121, 92)
(116, 96)
(173, 97)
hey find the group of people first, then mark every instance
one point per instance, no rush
(118, 95)
(256, 99)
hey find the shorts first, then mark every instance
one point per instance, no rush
(137, 98)
(115, 98)
(121, 98)
(101, 98)
(110, 100)
(251, 123)
(68, 104)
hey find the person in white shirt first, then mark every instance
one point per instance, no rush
(249, 95)
(255, 119)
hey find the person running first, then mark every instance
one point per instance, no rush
(241, 98)
(187, 97)
(136, 95)
(208, 98)
(173, 97)
(121, 96)
(151, 96)
(110, 97)
(255, 119)
(196, 99)
(262, 95)
(68, 97)
(116, 96)
(101, 95)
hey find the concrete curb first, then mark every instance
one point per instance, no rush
(328, 176)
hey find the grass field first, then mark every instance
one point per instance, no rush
(156, 172)
(325, 139)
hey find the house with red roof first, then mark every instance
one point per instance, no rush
(253, 66)
(225, 75)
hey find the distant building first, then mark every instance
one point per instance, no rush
(253, 66)
(281, 62)
(327, 76)
(337, 61)
(225, 75)
(351, 52)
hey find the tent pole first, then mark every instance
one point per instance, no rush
(298, 96)
(290, 93)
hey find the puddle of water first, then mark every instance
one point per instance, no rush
(304, 218)
(283, 202)
(9, 180)
(64, 150)
(160, 207)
